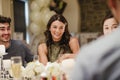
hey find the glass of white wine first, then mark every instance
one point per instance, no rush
(16, 63)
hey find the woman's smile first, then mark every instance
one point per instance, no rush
(57, 29)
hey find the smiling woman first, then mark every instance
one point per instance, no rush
(59, 44)
(57, 29)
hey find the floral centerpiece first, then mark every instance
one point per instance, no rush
(32, 69)
(53, 69)
(35, 69)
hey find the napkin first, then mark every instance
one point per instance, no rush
(2, 50)
(67, 66)
(7, 63)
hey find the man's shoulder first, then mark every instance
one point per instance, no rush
(17, 43)
(109, 65)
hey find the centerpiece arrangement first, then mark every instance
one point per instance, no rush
(35, 71)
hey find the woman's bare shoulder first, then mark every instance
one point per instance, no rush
(42, 45)
(74, 44)
(73, 39)
(42, 48)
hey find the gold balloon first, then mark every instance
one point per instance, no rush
(43, 3)
(47, 15)
(39, 17)
(35, 28)
(34, 6)
(36, 17)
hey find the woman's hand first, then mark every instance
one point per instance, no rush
(65, 56)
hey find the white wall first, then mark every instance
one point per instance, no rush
(72, 14)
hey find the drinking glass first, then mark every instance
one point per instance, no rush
(35, 58)
(16, 63)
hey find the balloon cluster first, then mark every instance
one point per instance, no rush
(39, 16)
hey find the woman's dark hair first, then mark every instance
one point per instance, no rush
(108, 15)
(4, 19)
(66, 35)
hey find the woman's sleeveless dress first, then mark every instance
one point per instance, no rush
(55, 50)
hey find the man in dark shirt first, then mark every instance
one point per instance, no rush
(13, 47)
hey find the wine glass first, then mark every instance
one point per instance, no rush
(16, 63)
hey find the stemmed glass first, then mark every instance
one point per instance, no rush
(16, 63)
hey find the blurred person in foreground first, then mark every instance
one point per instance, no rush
(100, 60)
(59, 44)
(13, 47)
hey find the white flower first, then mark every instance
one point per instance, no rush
(39, 67)
(33, 69)
(28, 73)
(53, 69)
